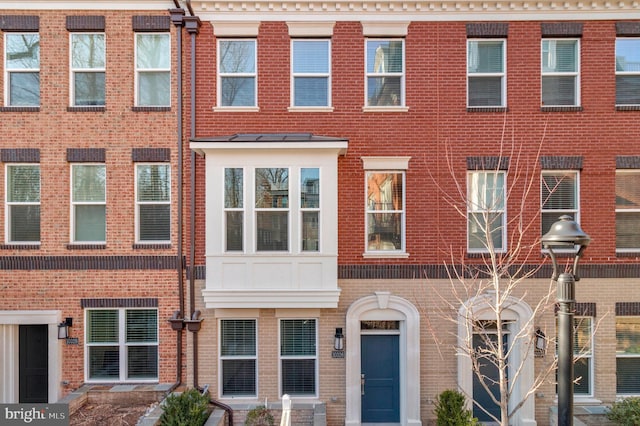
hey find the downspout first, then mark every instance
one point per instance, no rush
(176, 320)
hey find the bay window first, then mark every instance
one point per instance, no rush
(560, 72)
(486, 76)
(486, 216)
(88, 203)
(628, 71)
(385, 72)
(22, 69)
(88, 63)
(237, 73)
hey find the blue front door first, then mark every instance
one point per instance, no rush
(489, 370)
(380, 378)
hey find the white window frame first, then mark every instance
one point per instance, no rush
(369, 249)
(281, 358)
(122, 346)
(228, 210)
(222, 358)
(633, 73)
(575, 74)
(623, 355)
(481, 207)
(8, 71)
(622, 211)
(73, 70)
(301, 75)
(75, 204)
(8, 204)
(221, 75)
(139, 71)
(574, 213)
(140, 203)
(384, 73)
(288, 209)
(303, 210)
(478, 75)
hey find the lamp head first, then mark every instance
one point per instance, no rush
(565, 233)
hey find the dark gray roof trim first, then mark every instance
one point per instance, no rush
(270, 137)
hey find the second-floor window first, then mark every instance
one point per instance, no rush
(237, 73)
(88, 62)
(628, 71)
(310, 71)
(560, 72)
(22, 69)
(486, 73)
(628, 210)
(89, 203)
(558, 197)
(385, 72)
(22, 212)
(272, 209)
(153, 203)
(486, 216)
(153, 70)
(385, 211)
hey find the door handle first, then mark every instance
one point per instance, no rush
(362, 384)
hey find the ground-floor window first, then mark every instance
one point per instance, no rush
(628, 355)
(298, 357)
(122, 344)
(238, 357)
(583, 356)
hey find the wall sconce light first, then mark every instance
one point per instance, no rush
(338, 343)
(541, 343)
(63, 328)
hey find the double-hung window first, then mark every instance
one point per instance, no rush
(486, 76)
(153, 203)
(486, 215)
(560, 72)
(384, 72)
(88, 62)
(628, 71)
(385, 211)
(583, 356)
(298, 357)
(628, 355)
(237, 73)
(121, 345)
(310, 209)
(628, 210)
(559, 197)
(238, 357)
(272, 208)
(22, 69)
(234, 208)
(153, 69)
(89, 203)
(22, 194)
(311, 73)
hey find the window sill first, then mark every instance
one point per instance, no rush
(20, 109)
(100, 108)
(18, 246)
(561, 108)
(78, 246)
(385, 109)
(487, 109)
(150, 108)
(310, 109)
(152, 246)
(627, 107)
(236, 109)
(481, 254)
(581, 400)
(392, 255)
(633, 253)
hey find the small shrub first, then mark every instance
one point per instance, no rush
(190, 408)
(259, 416)
(625, 412)
(450, 410)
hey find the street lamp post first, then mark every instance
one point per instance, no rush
(565, 234)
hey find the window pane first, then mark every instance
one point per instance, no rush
(298, 337)
(628, 90)
(298, 376)
(90, 223)
(628, 190)
(582, 373)
(238, 377)
(311, 91)
(628, 376)
(558, 90)
(628, 55)
(153, 51)
(485, 57)
(384, 91)
(153, 183)
(238, 91)
(385, 56)
(238, 337)
(24, 223)
(237, 56)
(233, 187)
(272, 188)
(23, 184)
(104, 362)
(142, 325)
(311, 56)
(482, 223)
(628, 230)
(628, 335)
(23, 51)
(24, 89)
(559, 56)
(628, 351)
(559, 191)
(235, 231)
(273, 230)
(155, 222)
(89, 183)
(102, 326)
(154, 88)
(485, 91)
(385, 231)
(142, 362)
(310, 188)
(310, 234)
(87, 51)
(486, 191)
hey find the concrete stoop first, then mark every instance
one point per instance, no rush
(584, 415)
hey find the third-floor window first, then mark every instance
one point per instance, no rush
(22, 69)
(486, 73)
(237, 73)
(628, 71)
(88, 63)
(560, 72)
(385, 72)
(311, 73)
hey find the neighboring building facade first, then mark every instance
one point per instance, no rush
(89, 164)
(348, 151)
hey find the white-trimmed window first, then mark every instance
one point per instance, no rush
(627, 210)
(486, 215)
(628, 355)
(153, 69)
(628, 71)
(272, 208)
(311, 73)
(88, 64)
(310, 209)
(22, 69)
(486, 76)
(121, 345)
(237, 73)
(384, 72)
(583, 356)
(385, 211)
(238, 357)
(234, 208)
(153, 203)
(88, 203)
(559, 197)
(560, 72)
(22, 196)
(298, 357)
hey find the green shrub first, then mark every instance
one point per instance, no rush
(451, 411)
(189, 408)
(625, 412)
(259, 416)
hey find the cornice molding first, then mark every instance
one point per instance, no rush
(399, 10)
(87, 5)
